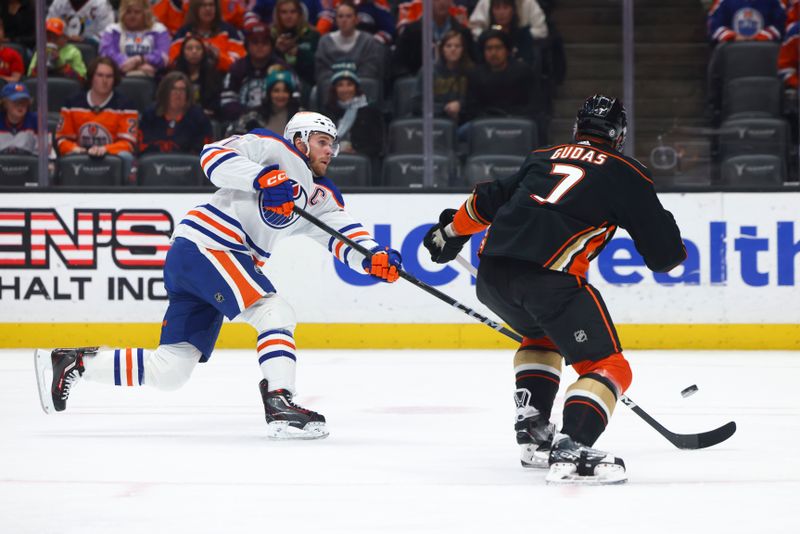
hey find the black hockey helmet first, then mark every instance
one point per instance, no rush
(602, 117)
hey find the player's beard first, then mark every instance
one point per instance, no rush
(319, 168)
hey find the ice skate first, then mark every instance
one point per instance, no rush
(286, 420)
(574, 463)
(534, 433)
(56, 374)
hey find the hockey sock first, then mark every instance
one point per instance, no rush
(276, 356)
(590, 401)
(166, 368)
(537, 366)
(120, 367)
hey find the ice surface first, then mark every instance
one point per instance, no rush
(420, 442)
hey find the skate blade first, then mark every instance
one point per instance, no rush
(566, 475)
(281, 430)
(42, 363)
(531, 458)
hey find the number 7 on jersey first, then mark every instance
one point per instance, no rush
(571, 176)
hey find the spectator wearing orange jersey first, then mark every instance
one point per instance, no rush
(99, 121)
(172, 13)
(224, 42)
(409, 12)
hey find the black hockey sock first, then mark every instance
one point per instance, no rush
(539, 372)
(588, 407)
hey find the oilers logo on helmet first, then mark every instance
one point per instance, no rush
(275, 220)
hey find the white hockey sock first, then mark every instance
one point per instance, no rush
(276, 356)
(120, 367)
(166, 368)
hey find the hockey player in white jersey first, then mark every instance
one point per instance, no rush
(216, 267)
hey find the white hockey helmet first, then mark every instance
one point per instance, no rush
(307, 122)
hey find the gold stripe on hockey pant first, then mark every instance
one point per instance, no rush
(544, 360)
(587, 390)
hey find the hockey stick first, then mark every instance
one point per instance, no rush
(682, 441)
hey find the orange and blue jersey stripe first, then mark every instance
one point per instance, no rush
(356, 232)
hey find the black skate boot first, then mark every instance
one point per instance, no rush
(534, 433)
(67, 368)
(574, 463)
(287, 420)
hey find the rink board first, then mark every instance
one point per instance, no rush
(86, 268)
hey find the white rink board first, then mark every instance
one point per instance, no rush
(743, 267)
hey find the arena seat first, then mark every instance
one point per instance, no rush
(753, 170)
(83, 170)
(514, 136)
(350, 170)
(169, 170)
(752, 97)
(405, 136)
(407, 170)
(18, 170)
(482, 168)
(139, 90)
(59, 90)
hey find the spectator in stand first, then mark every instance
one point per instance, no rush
(407, 58)
(99, 121)
(348, 44)
(295, 40)
(788, 57)
(374, 17)
(281, 103)
(224, 42)
(11, 64)
(409, 12)
(206, 80)
(17, 121)
(19, 19)
(264, 10)
(746, 20)
(63, 58)
(172, 13)
(359, 123)
(529, 12)
(174, 123)
(501, 86)
(85, 20)
(138, 43)
(450, 76)
(504, 16)
(245, 84)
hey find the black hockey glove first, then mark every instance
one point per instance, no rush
(442, 247)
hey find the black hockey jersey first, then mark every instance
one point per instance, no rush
(565, 203)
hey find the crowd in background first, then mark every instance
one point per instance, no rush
(226, 66)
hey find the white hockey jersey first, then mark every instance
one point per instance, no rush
(88, 22)
(235, 220)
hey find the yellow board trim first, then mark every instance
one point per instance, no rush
(404, 336)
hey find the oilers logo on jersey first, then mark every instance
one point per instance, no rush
(748, 22)
(278, 221)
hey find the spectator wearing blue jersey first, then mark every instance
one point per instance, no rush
(174, 123)
(263, 11)
(746, 20)
(17, 121)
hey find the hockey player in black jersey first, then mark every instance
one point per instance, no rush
(546, 223)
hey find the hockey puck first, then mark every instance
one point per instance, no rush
(688, 392)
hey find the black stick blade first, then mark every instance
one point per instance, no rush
(704, 439)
